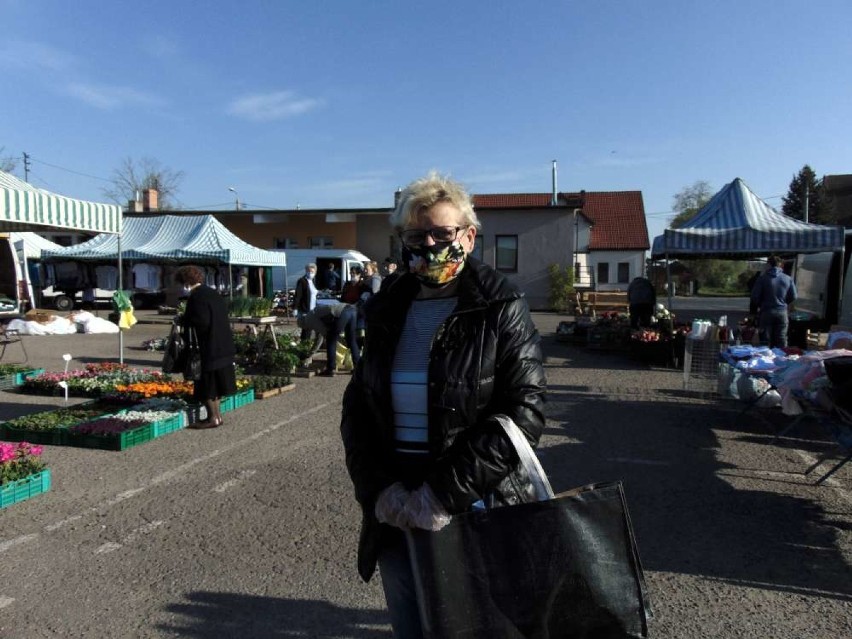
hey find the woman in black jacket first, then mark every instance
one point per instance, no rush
(450, 344)
(207, 313)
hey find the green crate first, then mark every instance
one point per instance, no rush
(14, 380)
(23, 375)
(116, 441)
(226, 404)
(243, 397)
(55, 437)
(25, 488)
(166, 426)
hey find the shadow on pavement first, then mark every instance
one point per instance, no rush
(221, 614)
(688, 517)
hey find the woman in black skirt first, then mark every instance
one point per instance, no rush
(207, 313)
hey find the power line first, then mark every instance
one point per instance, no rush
(62, 168)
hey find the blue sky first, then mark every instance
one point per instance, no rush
(337, 103)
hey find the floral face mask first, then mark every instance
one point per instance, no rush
(434, 265)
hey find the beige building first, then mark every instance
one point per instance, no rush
(603, 234)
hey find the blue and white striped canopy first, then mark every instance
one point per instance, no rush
(171, 238)
(738, 223)
(26, 208)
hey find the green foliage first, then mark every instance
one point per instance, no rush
(62, 418)
(794, 201)
(688, 201)
(561, 287)
(249, 307)
(268, 382)
(719, 275)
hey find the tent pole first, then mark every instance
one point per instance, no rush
(230, 282)
(669, 281)
(120, 288)
(840, 282)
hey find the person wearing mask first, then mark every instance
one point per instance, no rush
(305, 296)
(330, 321)
(450, 345)
(207, 313)
(772, 293)
(389, 266)
(332, 279)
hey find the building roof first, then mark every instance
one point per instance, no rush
(617, 217)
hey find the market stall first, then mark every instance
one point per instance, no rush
(737, 224)
(154, 246)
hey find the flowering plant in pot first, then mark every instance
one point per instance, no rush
(108, 425)
(18, 461)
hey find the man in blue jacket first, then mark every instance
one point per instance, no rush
(771, 294)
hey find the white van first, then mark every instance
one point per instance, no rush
(819, 287)
(297, 259)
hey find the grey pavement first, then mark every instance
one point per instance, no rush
(250, 530)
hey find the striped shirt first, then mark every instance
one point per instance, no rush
(409, 375)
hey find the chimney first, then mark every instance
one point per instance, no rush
(149, 200)
(396, 196)
(134, 206)
(553, 198)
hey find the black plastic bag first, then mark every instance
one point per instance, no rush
(565, 567)
(192, 367)
(174, 358)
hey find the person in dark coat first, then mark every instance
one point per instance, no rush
(305, 295)
(450, 345)
(207, 313)
(772, 293)
(332, 278)
(641, 297)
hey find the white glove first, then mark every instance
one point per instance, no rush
(390, 505)
(423, 510)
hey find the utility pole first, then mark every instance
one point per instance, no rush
(26, 167)
(805, 212)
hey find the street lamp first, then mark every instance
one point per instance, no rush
(237, 196)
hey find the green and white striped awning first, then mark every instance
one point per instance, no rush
(171, 238)
(26, 208)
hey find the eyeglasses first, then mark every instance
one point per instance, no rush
(416, 237)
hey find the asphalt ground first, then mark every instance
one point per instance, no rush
(250, 530)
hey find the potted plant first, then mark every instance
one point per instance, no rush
(23, 473)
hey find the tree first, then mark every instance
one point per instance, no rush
(136, 176)
(7, 162)
(689, 201)
(794, 201)
(561, 287)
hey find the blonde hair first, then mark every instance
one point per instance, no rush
(425, 193)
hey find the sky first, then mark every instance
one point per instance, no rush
(337, 103)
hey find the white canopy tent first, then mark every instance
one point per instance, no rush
(24, 207)
(172, 239)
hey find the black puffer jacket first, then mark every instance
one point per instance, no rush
(485, 360)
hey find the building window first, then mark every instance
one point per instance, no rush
(506, 253)
(623, 272)
(321, 242)
(284, 243)
(603, 272)
(478, 248)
